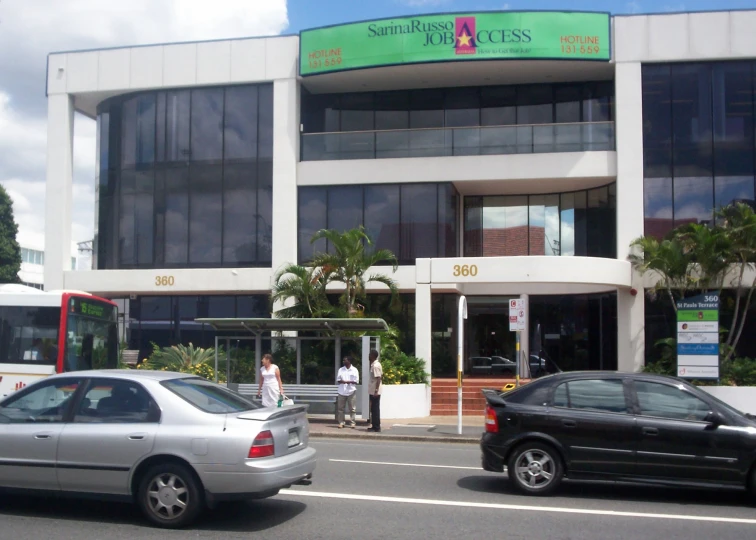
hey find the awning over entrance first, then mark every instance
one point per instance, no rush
(296, 325)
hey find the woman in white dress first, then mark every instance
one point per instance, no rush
(270, 383)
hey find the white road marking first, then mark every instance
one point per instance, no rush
(556, 510)
(406, 464)
(414, 425)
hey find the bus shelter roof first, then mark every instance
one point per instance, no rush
(257, 325)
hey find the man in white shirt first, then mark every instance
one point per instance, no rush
(348, 378)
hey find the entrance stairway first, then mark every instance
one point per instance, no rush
(444, 395)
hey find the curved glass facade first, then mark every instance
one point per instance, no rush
(581, 223)
(184, 179)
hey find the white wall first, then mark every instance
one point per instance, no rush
(461, 169)
(685, 36)
(405, 401)
(743, 398)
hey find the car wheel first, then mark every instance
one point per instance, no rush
(170, 496)
(535, 468)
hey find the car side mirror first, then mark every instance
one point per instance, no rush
(714, 418)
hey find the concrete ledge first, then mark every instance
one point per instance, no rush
(396, 438)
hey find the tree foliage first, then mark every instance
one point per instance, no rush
(10, 252)
(348, 264)
(703, 258)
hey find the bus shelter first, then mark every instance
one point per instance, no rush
(324, 329)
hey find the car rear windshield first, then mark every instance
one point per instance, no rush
(209, 397)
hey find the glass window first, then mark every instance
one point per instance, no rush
(426, 109)
(597, 395)
(29, 335)
(90, 343)
(505, 226)
(143, 217)
(103, 142)
(392, 110)
(663, 401)
(728, 189)
(312, 218)
(320, 112)
(239, 213)
(462, 107)
(535, 104)
(206, 214)
(657, 120)
(128, 132)
(155, 308)
(544, 225)
(177, 107)
(657, 206)
(176, 216)
(126, 224)
(145, 131)
(447, 221)
(357, 112)
(240, 123)
(207, 124)
(265, 126)
(600, 224)
(568, 98)
(598, 101)
(160, 128)
(264, 211)
(473, 227)
(694, 200)
(561, 396)
(111, 401)
(732, 86)
(221, 307)
(209, 397)
(48, 402)
(498, 105)
(382, 216)
(691, 120)
(419, 208)
(344, 208)
(252, 306)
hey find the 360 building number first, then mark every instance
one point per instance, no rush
(465, 270)
(164, 281)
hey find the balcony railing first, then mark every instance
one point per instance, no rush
(463, 141)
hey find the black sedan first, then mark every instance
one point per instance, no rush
(621, 426)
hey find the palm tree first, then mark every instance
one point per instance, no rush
(349, 263)
(306, 287)
(667, 259)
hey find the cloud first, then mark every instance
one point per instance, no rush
(78, 24)
(633, 7)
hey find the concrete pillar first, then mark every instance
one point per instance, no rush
(285, 159)
(58, 189)
(629, 134)
(423, 313)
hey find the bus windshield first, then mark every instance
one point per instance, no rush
(91, 335)
(29, 335)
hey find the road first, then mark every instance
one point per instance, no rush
(365, 490)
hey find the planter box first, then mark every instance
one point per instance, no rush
(405, 401)
(743, 398)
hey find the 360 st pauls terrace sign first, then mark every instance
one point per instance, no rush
(456, 37)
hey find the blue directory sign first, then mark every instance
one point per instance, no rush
(698, 337)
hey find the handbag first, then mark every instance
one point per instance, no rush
(283, 400)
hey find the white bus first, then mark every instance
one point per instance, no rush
(42, 333)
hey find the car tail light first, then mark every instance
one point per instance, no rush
(262, 446)
(492, 422)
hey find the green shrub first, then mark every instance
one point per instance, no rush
(183, 359)
(401, 368)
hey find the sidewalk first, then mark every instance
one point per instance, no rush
(428, 429)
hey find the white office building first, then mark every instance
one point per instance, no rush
(496, 154)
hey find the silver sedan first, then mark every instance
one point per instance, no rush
(172, 443)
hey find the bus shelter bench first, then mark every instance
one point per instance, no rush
(300, 393)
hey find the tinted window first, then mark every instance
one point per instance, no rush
(110, 401)
(418, 215)
(206, 214)
(665, 401)
(532, 394)
(240, 123)
(29, 335)
(382, 216)
(594, 395)
(312, 218)
(45, 403)
(207, 124)
(209, 397)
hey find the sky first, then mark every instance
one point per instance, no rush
(30, 29)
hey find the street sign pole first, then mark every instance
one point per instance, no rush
(517, 355)
(461, 316)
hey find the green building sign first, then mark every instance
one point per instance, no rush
(456, 37)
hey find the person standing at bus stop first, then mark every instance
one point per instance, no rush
(374, 388)
(271, 387)
(348, 378)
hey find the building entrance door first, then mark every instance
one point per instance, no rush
(490, 344)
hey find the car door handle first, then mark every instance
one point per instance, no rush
(136, 437)
(569, 423)
(650, 431)
(41, 436)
